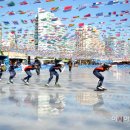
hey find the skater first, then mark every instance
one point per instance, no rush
(38, 64)
(97, 73)
(70, 65)
(28, 72)
(12, 71)
(1, 70)
(53, 71)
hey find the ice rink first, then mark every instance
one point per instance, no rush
(73, 106)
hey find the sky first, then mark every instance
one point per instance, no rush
(108, 25)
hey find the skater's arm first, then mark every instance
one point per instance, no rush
(60, 69)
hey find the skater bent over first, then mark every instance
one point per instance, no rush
(53, 71)
(12, 71)
(38, 64)
(28, 72)
(1, 71)
(97, 73)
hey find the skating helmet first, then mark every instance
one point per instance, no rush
(61, 63)
(106, 65)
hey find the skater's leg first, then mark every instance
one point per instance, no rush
(51, 77)
(100, 77)
(29, 75)
(0, 75)
(38, 70)
(12, 75)
(57, 77)
(70, 68)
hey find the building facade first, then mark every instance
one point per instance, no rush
(88, 45)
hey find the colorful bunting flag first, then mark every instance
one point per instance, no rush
(81, 25)
(118, 34)
(40, 10)
(24, 3)
(124, 2)
(11, 4)
(20, 30)
(70, 25)
(33, 20)
(67, 8)
(15, 22)
(24, 21)
(75, 17)
(114, 13)
(11, 13)
(21, 12)
(1, 7)
(113, 2)
(6, 22)
(101, 22)
(94, 6)
(54, 9)
(123, 20)
(97, 3)
(54, 19)
(81, 7)
(99, 14)
(125, 11)
(37, 1)
(87, 15)
(12, 32)
(113, 20)
(50, 0)
(44, 19)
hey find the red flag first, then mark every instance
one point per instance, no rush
(1, 7)
(12, 32)
(11, 13)
(24, 3)
(118, 34)
(81, 25)
(87, 15)
(114, 12)
(67, 8)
